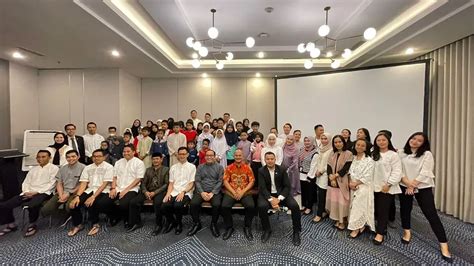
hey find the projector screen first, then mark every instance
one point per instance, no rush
(377, 98)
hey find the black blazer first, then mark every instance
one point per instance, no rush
(282, 182)
(80, 146)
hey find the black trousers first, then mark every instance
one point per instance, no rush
(425, 200)
(34, 205)
(321, 195)
(123, 209)
(102, 203)
(264, 205)
(249, 205)
(196, 207)
(393, 210)
(382, 203)
(136, 205)
(308, 193)
(175, 210)
(255, 166)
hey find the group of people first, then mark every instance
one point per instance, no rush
(223, 162)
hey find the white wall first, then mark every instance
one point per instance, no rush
(49, 99)
(5, 140)
(24, 104)
(130, 99)
(250, 98)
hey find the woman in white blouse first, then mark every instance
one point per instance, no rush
(362, 193)
(318, 170)
(58, 149)
(271, 145)
(387, 176)
(418, 181)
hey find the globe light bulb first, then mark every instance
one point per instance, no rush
(308, 64)
(324, 30)
(369, 34)
(250, 42)
(212, 32)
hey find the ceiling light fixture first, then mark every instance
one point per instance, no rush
(260, 54)
(308, 63)
(115, 53)
(257, 75)
(214, 46)
(330, 44)
(409, 51)
(18, 55)
(335, 64)
(204, 75)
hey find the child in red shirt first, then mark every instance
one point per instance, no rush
(204, 149)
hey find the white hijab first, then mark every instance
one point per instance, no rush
(219, 145)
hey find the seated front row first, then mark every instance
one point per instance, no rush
(116, 192)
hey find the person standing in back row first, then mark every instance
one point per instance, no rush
(92, 141)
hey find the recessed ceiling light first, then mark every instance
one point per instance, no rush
(409, 51)
(263, 35)
(329, 54)
(258, 75)
(204, 75)
(260, 54)
(18, 55)
(115, 53)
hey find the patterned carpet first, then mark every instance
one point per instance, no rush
(321, 244)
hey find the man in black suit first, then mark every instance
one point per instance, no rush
(75, 142)
(274, 192)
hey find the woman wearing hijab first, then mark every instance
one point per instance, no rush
(206, 134)
(308, 186)
(337, 199)
(232, 138)
(154, 130)
(271, 145)
(58, 149)
(290, 163)
(136, 127)
(220, 147)
(318, 171)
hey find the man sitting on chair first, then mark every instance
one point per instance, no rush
(67, 184)
(208, 182)
(93, 193)
(238, 181)
(274, 191)
(37, 188)
(180, 191)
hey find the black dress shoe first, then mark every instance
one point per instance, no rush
(157, 230)
(296, 238)
(266, 236)
(215, 230)
(126, 225)
(114, 222)
(134, 227)
(248, 233)
(228, 233)
(179, 229)
(168, 227)
(377, 243)
(194, 229)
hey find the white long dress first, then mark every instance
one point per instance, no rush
(361, 210)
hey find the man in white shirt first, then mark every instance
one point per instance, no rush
(196, 120)
(180, 192)
(286, 131)
(128, 173)
(318, 132)
(274, 192)
(92, 141)
(37, 187)
(93, 194)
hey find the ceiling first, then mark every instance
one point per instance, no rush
(151, 34)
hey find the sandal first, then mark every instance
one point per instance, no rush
(307, 212)
(31, 231)
(8, 230)
(75, 230)
(94, 230)
(316, 219)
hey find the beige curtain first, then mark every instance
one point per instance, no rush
(451, 126)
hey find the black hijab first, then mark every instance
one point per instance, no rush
(231, 137)
(136, 130)
(57, 146)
